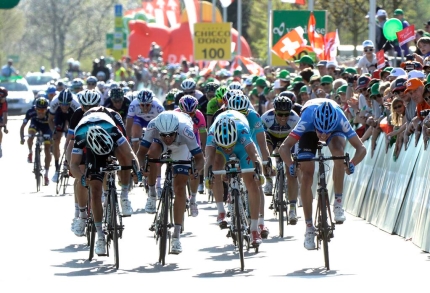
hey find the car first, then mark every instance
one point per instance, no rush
(39, 81)
(20, 98)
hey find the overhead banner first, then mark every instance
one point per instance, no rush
(212, 41)
(285, 21)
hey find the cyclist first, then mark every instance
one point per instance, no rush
(278, 123)
(240, 103)
(235, 85)
(91, 82)
(215, 103)
(62, 108)
(188, 105)
(209, 89)
(323, 120)
(3, 113)
(141, 111)
(169, 101)
(118, 102)
(296, 106)
(230, 134)
(99, 135)
(51, 92)
(188, 87)
(87, 99)
(172, 131)
(77, 85)
(39, 123)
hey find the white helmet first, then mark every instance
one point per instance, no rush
(89, 98)
(225, 132)
(167, 122)
(238, 102)
(188, 84)
(235, 85)
(99, 141)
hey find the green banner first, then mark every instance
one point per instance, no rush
(285, 21)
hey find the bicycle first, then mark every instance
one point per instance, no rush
(63, 177)
(279, 204)
(163, 219)
(324, 231)
(37, 166)
(239, 228)
(112, 218)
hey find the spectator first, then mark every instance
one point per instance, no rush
(120, 72)
(424, 46)
(331, 67)
(381, 41)
(284, 79)
(154, 52)
(102, 68)
(7, 70)
(305, 62)
(327, 85)
(303, 95)
(261, 84)
(398, 13)
(368, 59)
(322, 67)
(427, 26)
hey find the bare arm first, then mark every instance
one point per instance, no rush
(51, 122)
(360, 150)
(285, 150)
(261, 140)
(210, 155)
(128, 124)
(74, 166)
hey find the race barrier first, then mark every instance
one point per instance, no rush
(393, 195)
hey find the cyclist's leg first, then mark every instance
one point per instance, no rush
(217, 184)
(47, 140)
(31, 132)
(154, 152)
(125, 155)
(136, 132)
(59, 122)
(81, 198)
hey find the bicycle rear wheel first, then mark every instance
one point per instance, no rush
(115, 228)
(238, 224)
(164, 222)
(37, 172)
(324, 226)
(91, 232)
(280, 199)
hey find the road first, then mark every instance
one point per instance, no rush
(39, 250)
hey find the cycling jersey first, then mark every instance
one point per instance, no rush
(123, 111)
(197, 94)
(306, 122)
(61, 118)
(212, 106)
(199, 123)
(41, 125)
(3, 108)
(54, 104)
(272, 126)
(112, 114)
(140, 118)
(244, 138)
(255, 125)
(31, 113)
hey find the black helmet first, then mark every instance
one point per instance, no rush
(65, 97)
(288, 94)
(282, 103)
(116, 94)
(211, 87)
(42, 103)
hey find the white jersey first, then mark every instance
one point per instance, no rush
(185, 135)
(272, 126)
(134, 110)
(54, 104)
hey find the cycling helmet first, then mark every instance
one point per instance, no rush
(167, 122)
(220, 92)
(188, 84)
(42, 103)
(282, 103)
(89, 98)
(145, 96)
(325, 118)
(65, 97)
(239, 102)
(51, 89)
(126, 89)
(99, 141)
(92, 80)
(77, 83)
(41, 94)
(235, 85)
(225, 132)
(188, 104)
(211, 87)
(100, 85)
(3, 92)
(131, 84)
(170, 97)
(288, 94)
(113, 85)
(116, 94)
(122, 84)
(229, 94)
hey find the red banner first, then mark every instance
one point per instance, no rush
(380, 58)
(406, 35)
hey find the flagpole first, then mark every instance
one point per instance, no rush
(372, 21)
(224, 14)
(269, 29)
(311, 5)
(213, 10)
(239, 27)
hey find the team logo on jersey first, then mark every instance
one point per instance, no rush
(160, 109)
(257, 125)
(131, 109)
(242, 140)
(244, 131)
(346, 126)
(301, 127)
(188, 133)
(150, 126)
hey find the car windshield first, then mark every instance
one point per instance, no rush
(38, 79)
(14, 86)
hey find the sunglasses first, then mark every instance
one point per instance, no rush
(286, 114)
(398, 107)
(145, 105)
(368, 50)
(86, 108)
(324, 84)
(65, 105)
(228, 148)
(91, 83)
(40, 110)
(168, 134)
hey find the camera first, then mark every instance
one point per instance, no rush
(425, 113)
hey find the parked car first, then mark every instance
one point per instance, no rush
(20, 97)
(39, 81)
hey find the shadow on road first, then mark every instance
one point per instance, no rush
(72, 248)
(276, 239)
(87, 268)
(156, 268)
(227, 273)
(313, 273)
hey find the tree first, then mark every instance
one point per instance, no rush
(11, 31)
(58, 29)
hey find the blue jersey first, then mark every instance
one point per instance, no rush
(255, 124)
(306, 122)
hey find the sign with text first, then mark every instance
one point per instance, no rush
(119, 47)
(380, 59)
(284, 21)
(406, 35)
(212, 41)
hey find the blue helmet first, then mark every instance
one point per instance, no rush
(325, 117)
(51, 89)
(188, 104)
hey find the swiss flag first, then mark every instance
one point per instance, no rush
(315, 39)
(406, 35)
(252, 67)
(331, 42)
(299, 2)
(288, 45)
(164, 11)
(380, 59)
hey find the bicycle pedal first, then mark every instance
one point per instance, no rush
(125, 216)
(152, 228)
(102, 254)
(271, 207)
(223, 225)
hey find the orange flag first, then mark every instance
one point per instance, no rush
(288, 45)
(315, 39)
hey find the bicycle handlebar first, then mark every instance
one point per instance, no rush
(116, 167)
(233, 170)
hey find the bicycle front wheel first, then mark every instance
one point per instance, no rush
(164, 227)
(238, 224)
(37, 172)
(324, 226)
(280, 195)
(115, 228)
